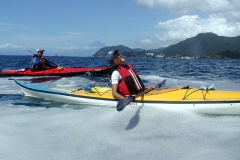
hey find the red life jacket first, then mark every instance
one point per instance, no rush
(130, 82)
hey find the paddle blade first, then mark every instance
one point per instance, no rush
(160, 85)
(124, 102)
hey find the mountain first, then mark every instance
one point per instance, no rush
(96, 44)
(122, 49)
(126, 51)
(229, 54)
(157, 50)
(203, 44)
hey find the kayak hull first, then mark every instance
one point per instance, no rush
(174, 99)
(58, 71)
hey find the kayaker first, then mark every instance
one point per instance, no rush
(123, 77)
(39, 63)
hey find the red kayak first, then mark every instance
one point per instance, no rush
(58, 71)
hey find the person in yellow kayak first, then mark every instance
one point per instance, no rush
(39, 63)
(123, 77)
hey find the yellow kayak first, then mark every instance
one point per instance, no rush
(171, 98)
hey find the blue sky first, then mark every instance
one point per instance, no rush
(68, 27)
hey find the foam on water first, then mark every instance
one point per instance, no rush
(38, 129)
(42, 129)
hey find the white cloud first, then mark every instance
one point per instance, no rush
(146, 41)
(175, 30)
(90, 47)
(187, 26)
(8, 45)
(224, 8)
(166, 4)
(77, 48)
(190, 5)
(68, 48)
(220, 16)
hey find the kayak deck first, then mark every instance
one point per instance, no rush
(163, 95)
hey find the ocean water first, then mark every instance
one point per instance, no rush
(38, 129)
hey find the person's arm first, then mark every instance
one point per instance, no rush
(115, 94)
(36, 61)
(115, 78)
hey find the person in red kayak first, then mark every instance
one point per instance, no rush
(39, 63)
(123, 77)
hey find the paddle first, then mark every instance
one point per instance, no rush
(58, 67)
(125, 101)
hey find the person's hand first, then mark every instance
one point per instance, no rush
(153, 87)
(150, 87)
(43, 60)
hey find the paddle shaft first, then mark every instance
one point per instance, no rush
(149, 89)
(144, 92)
(125, 101)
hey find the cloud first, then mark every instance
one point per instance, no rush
(224, 8)
(78, 48)
(190, 5)
(10, 46)
(68, 48)
(221, 17)
(188, 26)
(175, 30)
(90, 47)
(146, 41)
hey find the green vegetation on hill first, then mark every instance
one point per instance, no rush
(122, 49)
(203, 45)
(224, 55)
(126, 51)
